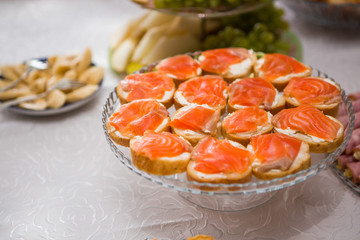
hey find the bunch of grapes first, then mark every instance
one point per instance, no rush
(259, 30)
(212, 4)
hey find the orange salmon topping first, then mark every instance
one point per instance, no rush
(204, 90)
(220, 156)
(278, 65)
(246, 120)
(252, 92)
(137, 117)
(146, 85)
(197, 119)
(219, 60)
(275, 147)
(180, 67)
(309, 120)
(158, 145)
(314, 91)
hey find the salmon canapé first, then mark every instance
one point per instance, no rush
(309, 124)
(213, 156)
(180, 67)
(205, 90)
(194, 122)
(322, 93)
(161, 145)
(279, 69)
(137, 117)
(154, 85)
(279, 152)
(161, 153)
(254, 92)
(229, 63)
(245, 123)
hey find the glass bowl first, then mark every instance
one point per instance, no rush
(207, 12)
(344, 16)
(228, 197)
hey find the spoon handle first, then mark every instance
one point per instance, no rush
(14, 83)
(23, 99)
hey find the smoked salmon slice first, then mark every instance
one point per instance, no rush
(278, 155)
(213, 156)
(275, 150)
(308, 120)
(205, 90)
(196, 118)
(137, 117)
(248, 119)
(154, 85)
(160, 145)
(252, 92)
(180, 67)
(313, 91)
(229, 63)
(279, 68)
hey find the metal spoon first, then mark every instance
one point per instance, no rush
(63, 84)
(33, 64)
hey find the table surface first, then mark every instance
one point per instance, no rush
(59, 179)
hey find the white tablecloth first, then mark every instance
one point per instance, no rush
(59, 179)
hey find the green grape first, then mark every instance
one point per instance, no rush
(282, 46)
(238, 32)
(214, 3)
(253, 37)
(189, 3)
(258, 46)
(241, 42)
(270, 48)
(268, 15)
(266, 37)
(260, 30)
(260, 27)
(211, 42)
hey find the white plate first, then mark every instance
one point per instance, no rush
(50, 112)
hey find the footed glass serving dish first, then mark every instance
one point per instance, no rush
(228, 197)
(205, 12)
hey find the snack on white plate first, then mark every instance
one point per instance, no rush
(279, 69)
(136, 118)
(278, 155)
(323, 133)
(194, 122)
(76, 67)
(229, 63)
(56, 99)
(245, 123)
(81, 93)
(160, 153)
(220, 161)
(155, 85)
(322, 93)
(255, 92)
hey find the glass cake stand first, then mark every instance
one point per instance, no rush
(207, 12)
(228, 197)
